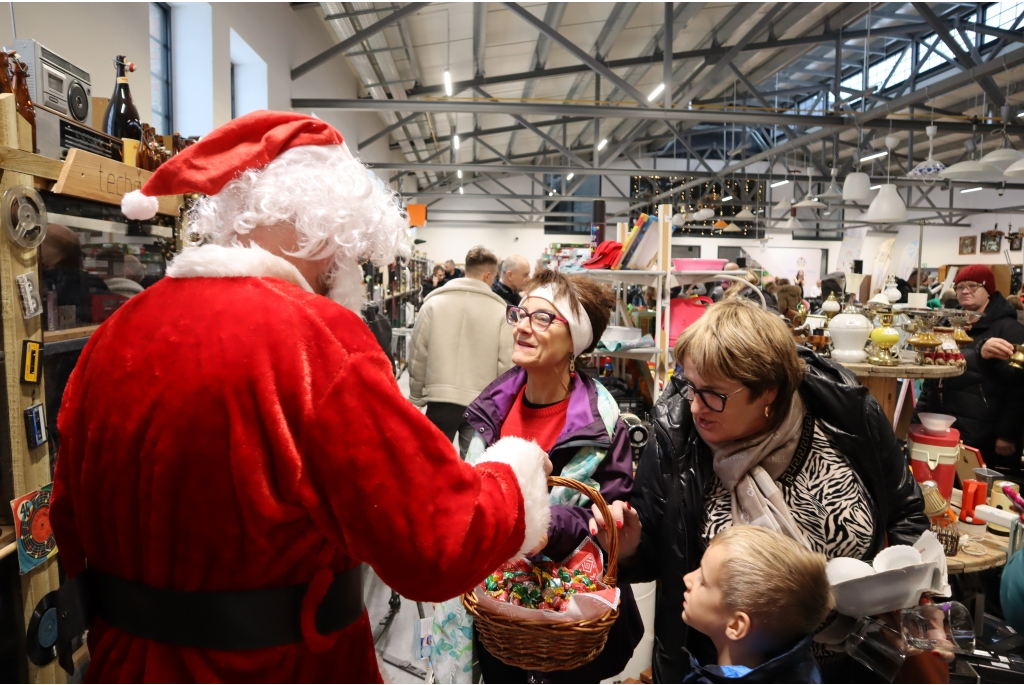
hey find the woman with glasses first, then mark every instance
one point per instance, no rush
(754, 432)
(548, 399)
(987, 399)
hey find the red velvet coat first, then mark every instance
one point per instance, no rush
(241, 433)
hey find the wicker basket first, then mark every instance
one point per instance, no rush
(540, 646)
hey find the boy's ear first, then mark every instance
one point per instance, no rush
(739, 626)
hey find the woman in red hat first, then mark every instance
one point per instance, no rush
(234, 444)
(988, 398)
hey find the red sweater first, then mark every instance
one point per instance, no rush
(543, 425)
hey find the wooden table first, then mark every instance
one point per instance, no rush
(881, 383)
(967, 563)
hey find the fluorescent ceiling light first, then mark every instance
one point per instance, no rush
(883, 153)
(455, 141)
(780, 183)
(460, 190)
(569, 177)
(447, 83)
(550, 193)
(875, 187)
(726, 198)
(970, 190)
(600, 146)
(656, 92)
(459, 172)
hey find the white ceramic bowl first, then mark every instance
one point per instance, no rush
(896, 557)
(842, 569)
(936, 424)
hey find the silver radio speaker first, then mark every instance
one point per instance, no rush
(55, 82)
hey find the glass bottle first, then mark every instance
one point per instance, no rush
(121, 118)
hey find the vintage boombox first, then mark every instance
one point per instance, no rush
(55, 82)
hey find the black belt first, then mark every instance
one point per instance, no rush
(252, 619)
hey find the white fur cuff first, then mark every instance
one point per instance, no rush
(527, 462)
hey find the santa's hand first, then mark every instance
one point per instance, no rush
(625, 518)
(532, 467)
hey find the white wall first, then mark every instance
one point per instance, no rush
(91, 34)
(453, 243)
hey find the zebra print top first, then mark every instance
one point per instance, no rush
(827, 499)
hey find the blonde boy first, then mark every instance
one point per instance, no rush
(759, 596)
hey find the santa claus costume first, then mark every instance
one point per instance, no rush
(233, 442)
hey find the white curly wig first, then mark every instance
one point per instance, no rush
(340, 210)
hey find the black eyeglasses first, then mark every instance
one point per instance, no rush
(540, 321)
(715, 401)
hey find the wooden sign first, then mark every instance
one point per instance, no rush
(97, 178)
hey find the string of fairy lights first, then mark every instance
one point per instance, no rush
(727, 199)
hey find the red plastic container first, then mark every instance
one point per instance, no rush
(934, 457)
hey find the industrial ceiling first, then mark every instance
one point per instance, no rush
(549, 90)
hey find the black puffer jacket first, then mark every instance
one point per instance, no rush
(988, 398)
(669, 490)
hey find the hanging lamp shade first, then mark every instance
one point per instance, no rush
(793, 224)
(972, 170)
(810, 203)
(857, 187)
(744, 215)
(929, 169)
(720, 224)
(678, 219)
(887, 207)
(832, 193)
(704, 214)
(1015, 170)
(782, 205)
(1003, 157)
(732, 228)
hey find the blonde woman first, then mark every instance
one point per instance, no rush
(755, 432)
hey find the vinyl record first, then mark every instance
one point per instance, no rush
(41, 637)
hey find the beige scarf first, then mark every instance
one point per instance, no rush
(749, 468)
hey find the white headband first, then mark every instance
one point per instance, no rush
(580, 330)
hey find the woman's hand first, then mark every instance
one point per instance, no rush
(996, 348)
(626, 520)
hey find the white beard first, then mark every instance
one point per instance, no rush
(346, 286)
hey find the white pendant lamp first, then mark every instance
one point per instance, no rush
(857, 187)
(832, 193)
(793, 224)
(1003, 158)
(704, 214)
(745, 215)
(782, 206)
(972, 169)
(929, 169)
(1015, 170)
(809, 201)
(731, 228)
(679, 218)
(887, 207)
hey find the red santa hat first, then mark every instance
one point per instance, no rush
(248, 142)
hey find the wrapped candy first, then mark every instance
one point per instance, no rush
(547, 586)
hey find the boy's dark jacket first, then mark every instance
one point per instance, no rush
(796, 665)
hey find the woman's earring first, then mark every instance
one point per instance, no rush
(766, 411)
(572, 366)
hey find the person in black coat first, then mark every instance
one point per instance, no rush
(847, 485)
(988, 398)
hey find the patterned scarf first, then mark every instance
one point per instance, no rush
(749, 468)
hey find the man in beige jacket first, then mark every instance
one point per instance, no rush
(460, 343)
